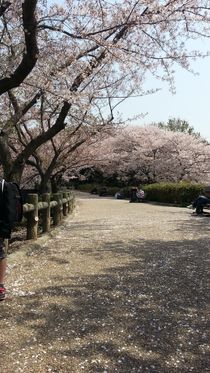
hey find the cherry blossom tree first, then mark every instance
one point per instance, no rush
(150, 154)
(68, 152)
(84, 56)
(187, 158)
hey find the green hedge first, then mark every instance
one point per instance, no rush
(111, 191)
(87, 187)
(182, 193)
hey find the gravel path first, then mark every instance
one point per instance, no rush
(119, 287)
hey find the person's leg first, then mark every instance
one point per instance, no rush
(3, 266)
(199, 209)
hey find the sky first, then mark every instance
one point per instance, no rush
(191, 101)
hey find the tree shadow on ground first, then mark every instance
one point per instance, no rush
(198, 224)
(148, 314)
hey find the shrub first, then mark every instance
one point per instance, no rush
(88, 187)
(111, 190)
(182, 193)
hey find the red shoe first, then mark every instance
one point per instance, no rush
(2, 293)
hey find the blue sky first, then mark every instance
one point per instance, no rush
(191, 101)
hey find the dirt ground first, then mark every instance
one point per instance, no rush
(118, 287)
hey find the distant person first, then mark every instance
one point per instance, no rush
(133, 194)
(119, 195)
(201, 202)
(136, 195)
(140, 195)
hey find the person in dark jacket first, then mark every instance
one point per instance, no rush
(133, 196)
(200, 203)
(5, 234)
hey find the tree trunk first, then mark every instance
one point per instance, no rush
(45, 186)
(55, 183)
(14, 174)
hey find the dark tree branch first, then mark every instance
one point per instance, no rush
(19, 111)
(43, 137)
(5, 155)
(36, 164)
(4, 6)
(31, 49)
(96, 61)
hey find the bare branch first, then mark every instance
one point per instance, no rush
(31, 49)
(4, 6)
(44, 136)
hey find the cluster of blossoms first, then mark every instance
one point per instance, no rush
(68, 67)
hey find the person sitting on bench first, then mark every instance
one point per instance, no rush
(136, 195)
